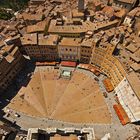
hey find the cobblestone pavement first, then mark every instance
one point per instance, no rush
(117, 131)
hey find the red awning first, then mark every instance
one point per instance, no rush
(68, 64)
(121, 114)
(45, 63)
(90, 68)
(108, 85)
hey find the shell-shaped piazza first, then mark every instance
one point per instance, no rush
(78, 100)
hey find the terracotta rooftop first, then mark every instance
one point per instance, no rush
(6, 48)
(120, 13)
(65, 29)
(76, 13)
(87, 42)
(135, 67)
(134, 82)
(29, 39)
(108, 10)
(48, 40)
(70, 42)
(136, 56)
(27, 16)
(14, 51)
(9, 58)
(8, 52)
(131, 47)
(86, 26)
(110, 32)
(39, 27)
(134, 12)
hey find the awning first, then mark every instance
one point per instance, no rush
(83, 66)
(121, 114)
(68, 64)
(108, 85)
(45, 63)
(90, 68)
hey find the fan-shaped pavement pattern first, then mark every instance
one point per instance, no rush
(78, 100)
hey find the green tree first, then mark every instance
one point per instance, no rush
(5, 15)
(14, 4)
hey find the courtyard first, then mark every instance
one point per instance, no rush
(78, 100)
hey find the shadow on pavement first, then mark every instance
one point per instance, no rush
(22, 79)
